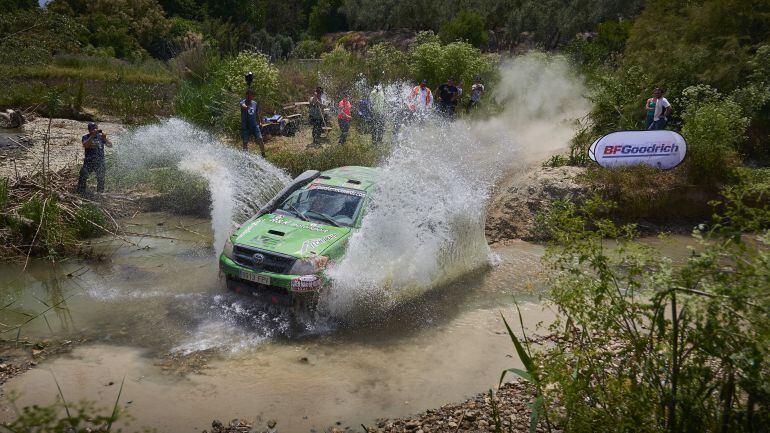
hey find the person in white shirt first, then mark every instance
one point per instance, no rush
(663, 110)
(477, 90)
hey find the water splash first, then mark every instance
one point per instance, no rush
(426, 222)
(239, 183)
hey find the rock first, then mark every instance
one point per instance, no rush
(216, 424)
(272, 423)
(11, 119)
(451, 424)
(513, 212)
(3, 367)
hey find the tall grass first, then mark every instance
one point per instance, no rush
(355, 152)
(93, 68)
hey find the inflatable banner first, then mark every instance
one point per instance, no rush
(659, 149)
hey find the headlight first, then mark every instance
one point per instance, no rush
(227, 251)
(309, 266)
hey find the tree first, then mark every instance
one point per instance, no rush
(326, 18)
(14, 5)
(467, 26)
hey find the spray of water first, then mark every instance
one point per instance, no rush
(239, 183)
(426, 223)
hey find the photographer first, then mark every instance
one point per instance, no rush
(93, 144)
(249, 123)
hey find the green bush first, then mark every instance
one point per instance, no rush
(713, 128)
(467, 26)
(385, 63)
(231, 77)
(308, 49)
(459, 60)
(647, 345)
(88, 222)
(339, 71)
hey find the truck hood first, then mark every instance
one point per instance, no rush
(290, 236)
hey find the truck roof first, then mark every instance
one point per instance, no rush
(353, 177)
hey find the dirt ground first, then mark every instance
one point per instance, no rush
(22, 150)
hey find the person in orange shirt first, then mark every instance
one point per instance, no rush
(421, 98)
(344, 117)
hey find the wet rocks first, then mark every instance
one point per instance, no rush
(518, 202)
(235, 426)
(473, 415)
(11, 119)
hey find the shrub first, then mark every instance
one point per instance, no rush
(88, 219)
(231, 76)
(713, 128)
(646, 345)
(435, 62)
(339, 71)
(308, 49)
(385, 63)
(467, 26)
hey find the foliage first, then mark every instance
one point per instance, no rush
(385, 63)
(339, 71)
(308, 49)
(604, 47)
(713, 128)
(553, 22)
(459, 60)
(467, 26)
(354, 152)
(34, 36)
(647, 344)
(133, 29)
(231, 76)
(325, 17)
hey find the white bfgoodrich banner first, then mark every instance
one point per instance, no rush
(659, 149)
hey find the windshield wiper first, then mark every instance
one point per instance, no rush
(298, 213)
(325, 217)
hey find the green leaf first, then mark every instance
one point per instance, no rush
(534, 417)
(525, 359)
(518, 372)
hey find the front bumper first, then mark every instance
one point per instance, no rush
(274, 288)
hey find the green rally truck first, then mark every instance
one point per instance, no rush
(280, 255)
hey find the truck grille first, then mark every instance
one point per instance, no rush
(261, 260)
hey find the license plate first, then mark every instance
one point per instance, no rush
(255, 278)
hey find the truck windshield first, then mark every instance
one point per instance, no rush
(324, 205)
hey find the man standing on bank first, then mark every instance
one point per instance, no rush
(249, 123)
(93, 144)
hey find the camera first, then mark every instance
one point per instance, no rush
(100, 131)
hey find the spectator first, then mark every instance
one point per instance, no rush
(344, 117)
(661, 112)
(477, 90)
(448, 94)
(249, 125)
(377, 106)
(649, 106)
(316, 116)
(421, 99)
(93, 162)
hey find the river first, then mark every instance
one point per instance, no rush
(140, 305)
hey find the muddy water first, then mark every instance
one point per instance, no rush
(140, 302)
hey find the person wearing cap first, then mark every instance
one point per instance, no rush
(93, 162)
(477, 90)
(421, 98)
(448, 95)
(249, 124)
